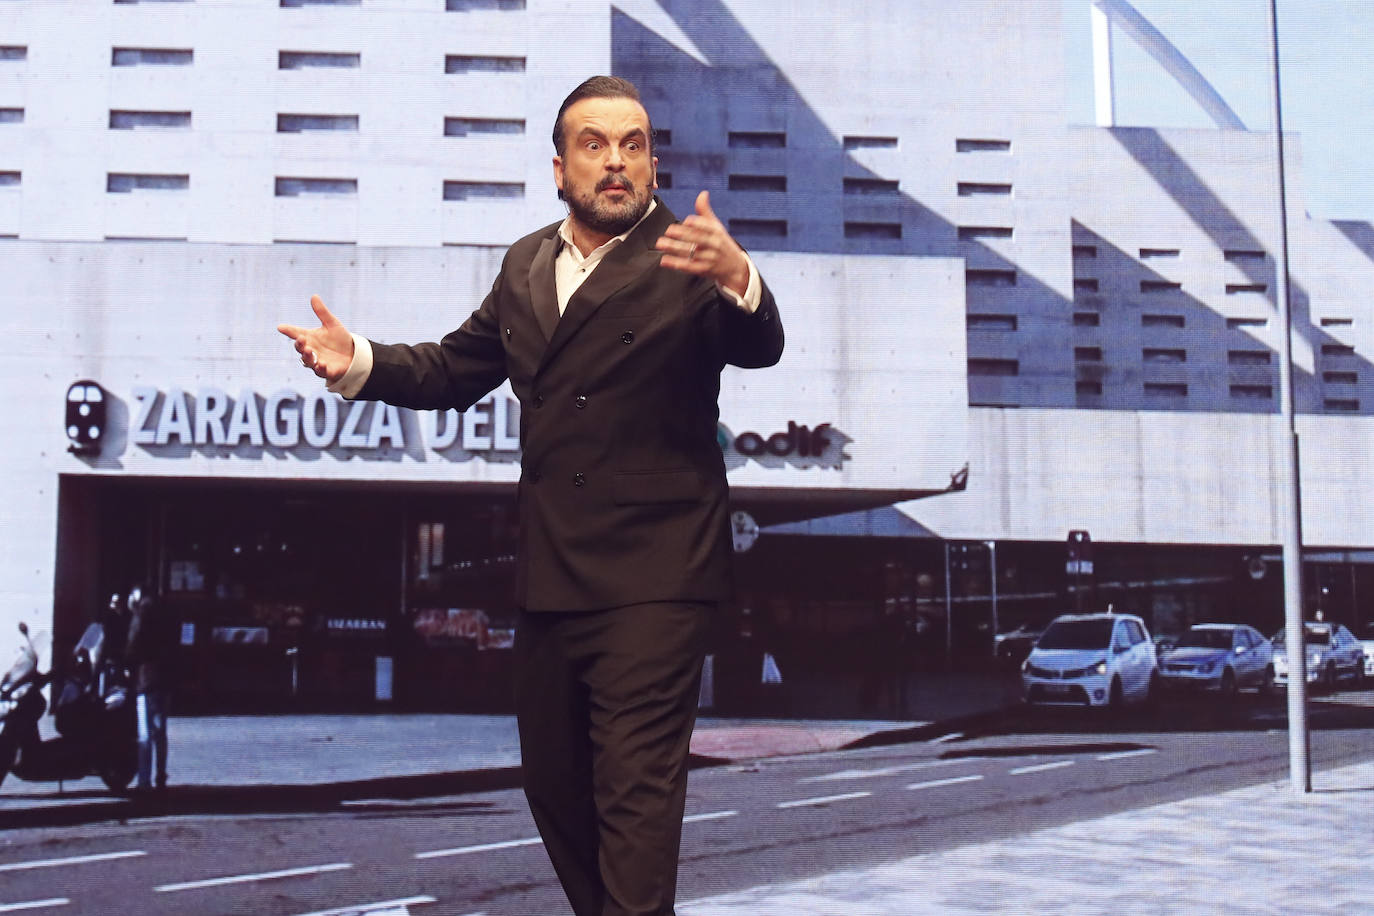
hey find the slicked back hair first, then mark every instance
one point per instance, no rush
(597, 87)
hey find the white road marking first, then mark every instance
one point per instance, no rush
(885, 771)
(709, 816)
(72, 860)
(952, 736)
(825, 799)
(936, 783)
(33, 904)
(483, 847)
(259, 876)
(1041, 767)
(376, 909)
(1122, 755)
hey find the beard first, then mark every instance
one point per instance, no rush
(606, 216)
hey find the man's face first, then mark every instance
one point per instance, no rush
(605, 172)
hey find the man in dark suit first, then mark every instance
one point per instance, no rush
(613, 328)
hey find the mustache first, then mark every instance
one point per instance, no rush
(616, 181)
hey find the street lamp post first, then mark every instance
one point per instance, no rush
(1298, 744)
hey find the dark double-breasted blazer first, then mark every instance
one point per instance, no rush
(622, 495)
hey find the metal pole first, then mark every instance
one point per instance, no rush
(992, 559)
(1299, 766)
(949, 613)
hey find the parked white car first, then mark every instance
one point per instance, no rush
(1091, 660)
(1224, 657)
(1333, 654)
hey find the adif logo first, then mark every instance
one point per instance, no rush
(85, 417)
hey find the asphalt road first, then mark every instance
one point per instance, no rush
(747, 825)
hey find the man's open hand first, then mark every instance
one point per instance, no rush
(700, 245)
(326, 350)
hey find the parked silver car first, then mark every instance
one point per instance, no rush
(1224, 657)
(1091, 660)
(1333, 654)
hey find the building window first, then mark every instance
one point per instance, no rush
(300, 60)
(663, 136)
(758, 183)
(297, 187)
(297, 4)
(1341, 377)
(1086, 319)
(11, 116)
(1254, 392)
(1337, 351)
(478, 63)
(1244, 255)
(167, 57)
(1160, 286)
(1085, 251)
(299, 123)
(757, 139)
(856, 142)
(1344, 405)
(665, 181)
(982, 146)
(861, 230)
(14, 52)
(1234, 323)
(870, 186)
(997, 367)
(992, 322)
(483, 190)
(483, 127)
(464, 6)
(1087, 354)
(974, 233)
(1162, 321)
(760, 228)
(164, 120)
(983, 189)
(127, 182)
(11, 179)
(984, 277)
(1167, 389)
(1150, 254)
(1085, 284)
(1235, 289)
(1337, 322)
(1248, 357)
(1163, 355)
(1087, 387)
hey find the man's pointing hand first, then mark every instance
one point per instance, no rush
(701, 245)
(328, 349)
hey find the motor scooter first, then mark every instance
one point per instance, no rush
(93, 710)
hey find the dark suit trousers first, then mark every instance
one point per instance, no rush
(606, 702)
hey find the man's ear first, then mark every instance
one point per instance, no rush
(558, 175)
(653, 181)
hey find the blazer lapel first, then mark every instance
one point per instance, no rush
(625, 262)
(543, 289)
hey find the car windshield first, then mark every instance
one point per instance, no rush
(1076, 634)
(1206, 639)
(1313, 637)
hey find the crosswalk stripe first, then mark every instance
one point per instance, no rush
(936, 783)
(803, 802)
(1039, 767)
(33, 904)
(483, 847)
(246, 879)
(72, 860)
(371, 909)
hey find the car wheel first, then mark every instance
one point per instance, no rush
(1329, 677)
(1117, 698)
(1357, 682)
(8, 750)
(1228, 685)
(1266, 684)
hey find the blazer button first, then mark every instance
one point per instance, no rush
(507, 333)
(538, 401)
(628, 337)
(579, 479)
(580, 401)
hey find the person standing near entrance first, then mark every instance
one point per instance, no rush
(613, 328)
(150, 646)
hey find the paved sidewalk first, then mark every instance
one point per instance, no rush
(1260, 849)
